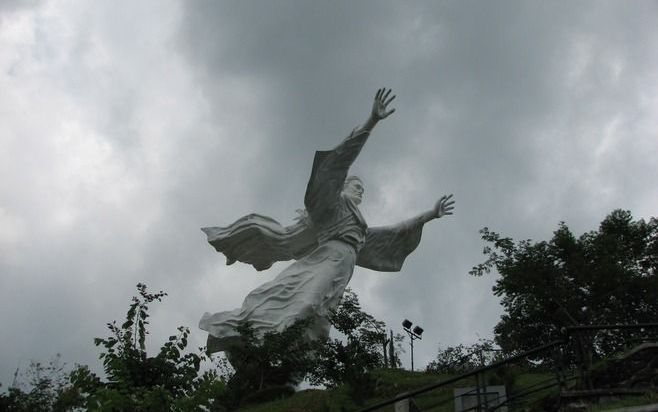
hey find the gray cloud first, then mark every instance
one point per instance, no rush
(127, 127)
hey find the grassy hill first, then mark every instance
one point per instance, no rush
(395, 382)
(390, 384)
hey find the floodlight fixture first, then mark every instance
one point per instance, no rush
(414, 334)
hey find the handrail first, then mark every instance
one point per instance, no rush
(566, 330)
(611, 326)
(535, 389)
(464, 375)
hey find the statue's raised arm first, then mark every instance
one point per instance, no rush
(330, 168)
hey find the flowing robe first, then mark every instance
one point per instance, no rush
(327, 245)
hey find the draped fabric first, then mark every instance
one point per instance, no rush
(260, 241)
(309, 288)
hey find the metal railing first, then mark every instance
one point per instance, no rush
(478, 373)
(466, 375)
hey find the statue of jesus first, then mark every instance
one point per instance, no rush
(329, 238)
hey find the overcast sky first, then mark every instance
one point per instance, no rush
(126, 126)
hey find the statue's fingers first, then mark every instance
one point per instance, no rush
(386, 103)
(386, 95)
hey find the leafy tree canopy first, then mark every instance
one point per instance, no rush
(351, 361)
(173, 380)
(169, 380)
(463, 358)
(607, 276)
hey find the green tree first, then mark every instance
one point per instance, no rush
(138, 382)
(351, 361)
(607, 276)
(41, 387)
(267, 367)
(463, 358)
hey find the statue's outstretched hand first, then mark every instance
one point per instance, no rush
(444, 206)
(380, 105)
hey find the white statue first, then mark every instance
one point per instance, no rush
(329, 238)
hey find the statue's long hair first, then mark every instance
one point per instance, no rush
(351, 178)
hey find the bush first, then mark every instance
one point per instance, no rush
(135, 381)
(266, 368)
(352, 361)
(463, 358)
(278, 360)
(41, 388)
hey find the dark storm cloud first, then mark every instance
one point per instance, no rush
(128, 127)
(491, 97)
(8, 6)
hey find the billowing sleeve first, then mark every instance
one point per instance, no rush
(329, 172)
(260, 241)
(387, 247)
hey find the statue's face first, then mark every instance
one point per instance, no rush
(354, 190)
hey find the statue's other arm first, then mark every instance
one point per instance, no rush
(386, 248)
(330, 168)
(444, 206)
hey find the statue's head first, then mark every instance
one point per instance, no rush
(353, 188)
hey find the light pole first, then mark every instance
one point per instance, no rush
(414, 334)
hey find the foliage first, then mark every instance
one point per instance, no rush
(40, 388)
(649, 398)
(392, 351)
(463, 358)
(608, 276)
(168, 381)
(267, 366)
(352, 361)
